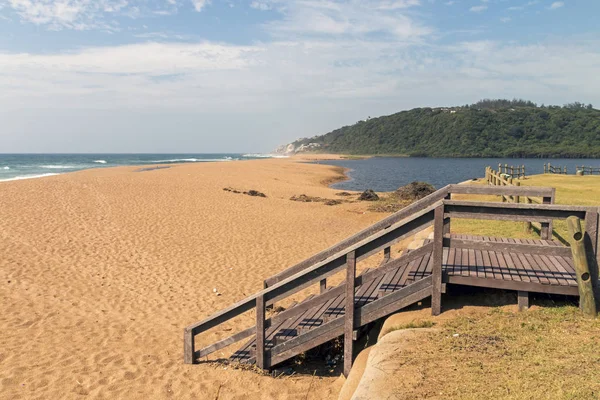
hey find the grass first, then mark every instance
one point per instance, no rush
(496, 353)
(411, 325)
(570, 189)
(548, 353)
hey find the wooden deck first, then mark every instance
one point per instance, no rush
(467, 266)
(522, 265)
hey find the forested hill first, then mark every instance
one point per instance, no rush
(490, 128)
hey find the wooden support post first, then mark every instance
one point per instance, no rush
(546, 232)
(322, 285)
(260, 332)
(438, 251)
(387, 253)
(349, 311)
(587, 304)
(188, 346)
(523, 300)
(517, 199)
(499, 168)
(592, 243)
(527, 225)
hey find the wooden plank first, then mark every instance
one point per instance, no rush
(260, 332)
(511, 211)
(529, 265)
(479, 264)
(487, 265)
(524, 274)
(514, 269)
(449, 263)
(567, 264)
(496, 270)
(566, 275)
(472, 263)
(506, 274)
(464, 256)
(349, 312)
(437, 260)
(513, 285)
(544, 268)
(314, 318)
(532, 191)
(556, 272)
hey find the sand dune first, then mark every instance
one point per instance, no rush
(101, 270)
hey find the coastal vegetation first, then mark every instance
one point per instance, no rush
(488, 128)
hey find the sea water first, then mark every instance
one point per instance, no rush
(27, 166)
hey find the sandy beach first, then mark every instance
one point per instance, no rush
(100, 271)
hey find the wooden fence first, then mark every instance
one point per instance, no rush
(496, 179)
(511, 171)
(582, 170)
(551, 169)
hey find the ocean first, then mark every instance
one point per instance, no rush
(27, 166)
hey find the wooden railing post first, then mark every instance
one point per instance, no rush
(387, 253)
(438, 255)
(546, 231)
(349, 311)
(188, 346)
(527, 225)
(446, 230)
(322, 285)
(260, 332)
(587, 303)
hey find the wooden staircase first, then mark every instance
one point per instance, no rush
(522, 265)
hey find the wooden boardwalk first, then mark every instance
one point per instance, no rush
(521, 265)
(530, 272)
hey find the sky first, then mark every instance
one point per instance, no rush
(201, 76)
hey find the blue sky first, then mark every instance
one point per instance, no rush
(232, 75)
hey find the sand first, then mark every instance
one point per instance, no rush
(100, 271)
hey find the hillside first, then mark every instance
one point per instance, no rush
(490, 128)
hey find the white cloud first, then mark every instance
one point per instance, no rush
(557, 4)
(325, 18)
(449, 3)
(505, 19)
(261, 5)
(478, 9)
(90, 14)
(200, 4)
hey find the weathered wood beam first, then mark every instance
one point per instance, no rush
(260, 332)
(587, 303)
(349, 312)
(507, 247)
(438, 248)
(512, 285)
(531, 191)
